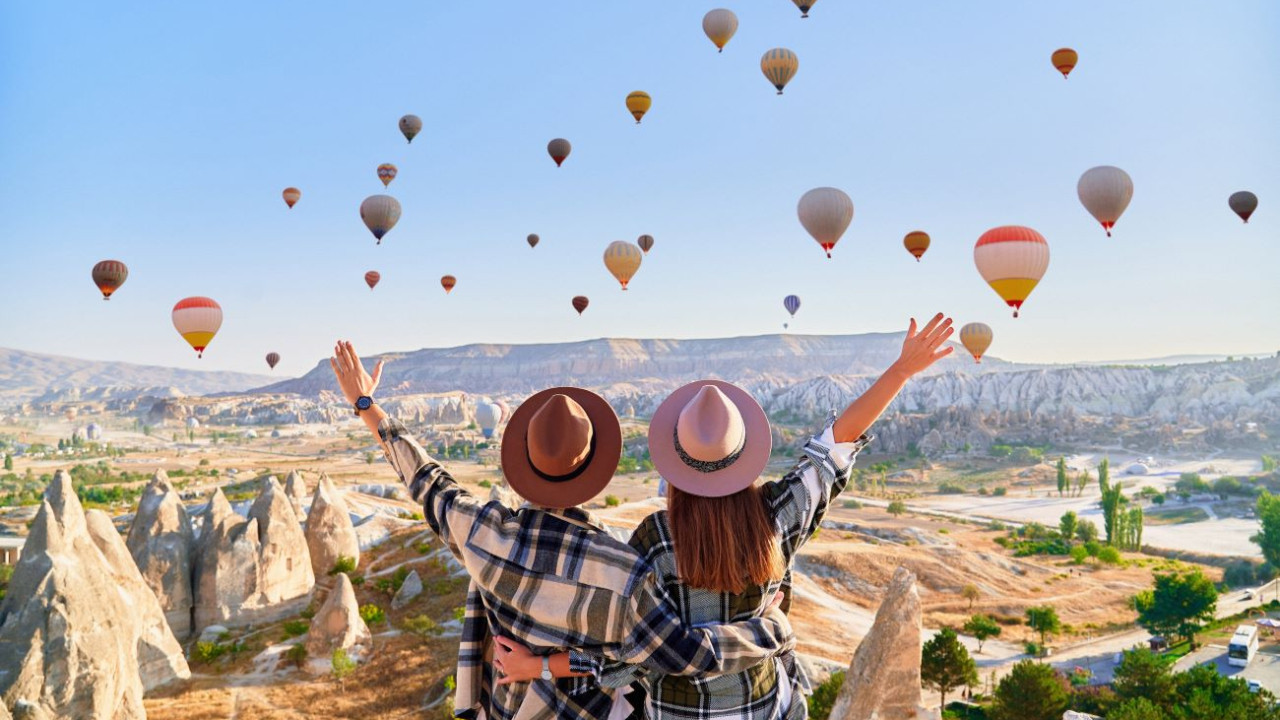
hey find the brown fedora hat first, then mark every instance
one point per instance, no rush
(710, 438)
(561, 447)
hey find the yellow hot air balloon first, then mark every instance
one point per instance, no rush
(976, 338)
(779, 65)
(638, 103)
(197, 319)
(1064, 59)
(826, 213)
(1012, 259)
(720, 25)
(1105, 191)
(291, 195)
(622, 259)
(916, 242)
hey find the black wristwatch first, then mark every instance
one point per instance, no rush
(364, 402)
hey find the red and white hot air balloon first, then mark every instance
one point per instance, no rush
(197, 319)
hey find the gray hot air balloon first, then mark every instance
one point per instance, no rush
(1243, 204)
(559, 149)
(410, 125)
(646, 243)
(380, 213)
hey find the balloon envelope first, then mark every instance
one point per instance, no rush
(410, 125)
(916, 242)
(109, 275)
(380, 213)
(646, 243)
(804, 6)
(447, 282)
(1012, 259)
(272, 359)
(580, 303)
(638, 104)
(488, 415)
(291, 195)
(792, 304)
(826, 213)
(720, 25)
(1064, 59)
(976, 338)
(532, 240)
(371, 278)
(197, 319)
(559, 149)
(1105, 191)
(1243, 204)
(779, 65)
(386, 173)
(622, 259)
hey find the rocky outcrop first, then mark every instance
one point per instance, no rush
(330, 534)
(883, 681)
(409, 589)
(337, 624)
(296, 488)
(162, 544)
(285, 561)
(79, 621)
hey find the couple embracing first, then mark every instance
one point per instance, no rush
(686, 618)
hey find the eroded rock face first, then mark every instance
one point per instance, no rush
(883, 681)
(330, 533)
(162, 545)
(295, 486)
(285, 562)
(79, 621)
(337, 624)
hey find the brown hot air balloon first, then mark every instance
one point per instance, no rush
(272, 359)
(916, 242)
(1064, 59)
(580, 303)
(109, 275)
(645, 242)
(291, 195)
(559, 149)
(372, 277)
(447, 282)
(1243, 203)
(532, 240)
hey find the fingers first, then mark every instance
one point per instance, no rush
(352, 360)
(932, 325)
(943, 334)
(334, 364)
(341, 357)
(377, 375)
(911, 329)
(505, 643)
(504, 680)
(944, 352)
(355, 359)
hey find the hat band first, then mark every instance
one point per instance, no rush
(582, 467)
(708, 466)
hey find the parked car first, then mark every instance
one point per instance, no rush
(1254, 686)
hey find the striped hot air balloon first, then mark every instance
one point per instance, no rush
(1105, 191)
(976, 338)
(559, 149)
(410, 125)
(291, 196)
(272, 359)
(779, 65)
(447, 282)
(197, 319)
(791, 303)
(1064, 59)
(623, 260)
(109, 275)
(371, 278)
(720, 25)
(826, 213)
(386, 173)
(380, 213)
(638, 103)
(580, 303)
(646, 243)
(1012, 259)
(916, 242)
(804, 6)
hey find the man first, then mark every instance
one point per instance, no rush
(548, 574)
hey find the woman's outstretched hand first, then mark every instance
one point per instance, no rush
(352, 377)
(921, 349)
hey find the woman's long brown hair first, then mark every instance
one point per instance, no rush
(725, 544)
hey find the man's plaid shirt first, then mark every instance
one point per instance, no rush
(553, 582)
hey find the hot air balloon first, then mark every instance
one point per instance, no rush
(826, 213)
(410, 125)
(1105, 191)
(976, 338)
(638, 104)
(792, 304)
(291, 196)
(109, 275)
(720, 25)
(622, 259)
(532, 240)
(1243, 204)
(1012, 259)
(646, 243)
(488, 415)
(197, 319)
(380, 213)
(447, 282)
(580, 303)
(804, 6)
(272, 359)
(559, 149)
(916, 242)
(779, 65)
(386, 173)
(372, 277)
(1064, 59)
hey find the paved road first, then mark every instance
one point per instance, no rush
(1265, 667)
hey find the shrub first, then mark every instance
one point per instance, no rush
(206, 651)
(485, 484)
(421, 625)
(1079, 554)
(1109, 555)
(896, 508)
(852, 504)
(294, 628)
(342, 664)
(1031, 648)
(459, 613)
(611, 501)
(824, 696)
(372, 614)
(296, 654)
(357, 580)
(1000, 491)
(391, 585)
(344, 564)
(948, 488)
(983, 490)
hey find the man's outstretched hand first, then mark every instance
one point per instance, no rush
(352, 377)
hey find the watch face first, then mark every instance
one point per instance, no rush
(364, 402)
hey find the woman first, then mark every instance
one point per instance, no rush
(725, 544)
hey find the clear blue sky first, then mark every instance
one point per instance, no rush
(162, 136)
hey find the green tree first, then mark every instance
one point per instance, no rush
(8, 462)
(981, 628)
(1136, 709)
(1063, 483)
(1031, 691)
(971, 593)
(824, 696)
(1178, 604)
(342, 665)
(1044, 620)
(1086, 531)
(945, 665)
(1144, 674)
(1202, 693)
(1067, 526)
(1134, 527)
(896, 508)
(1082, 481)
(1268, 536)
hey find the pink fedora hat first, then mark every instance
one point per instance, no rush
(710, 438)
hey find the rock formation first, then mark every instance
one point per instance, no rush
(883, 681)
(286, 562)
(410, 589)
(162, 544)
(330, 533)
(78, 620)
(296, 488)
(337, 624)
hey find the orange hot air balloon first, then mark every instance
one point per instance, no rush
(291, 195)
(916, 242)
(1065, 60)
(197, 319)
(387, 173)
(976, 338)
(623, 260)
(638, 103)
(447, 282)
(372, 277)
(109, 275)
(580, 303)
(1012, 259)
(272, 359)
(646, 243)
